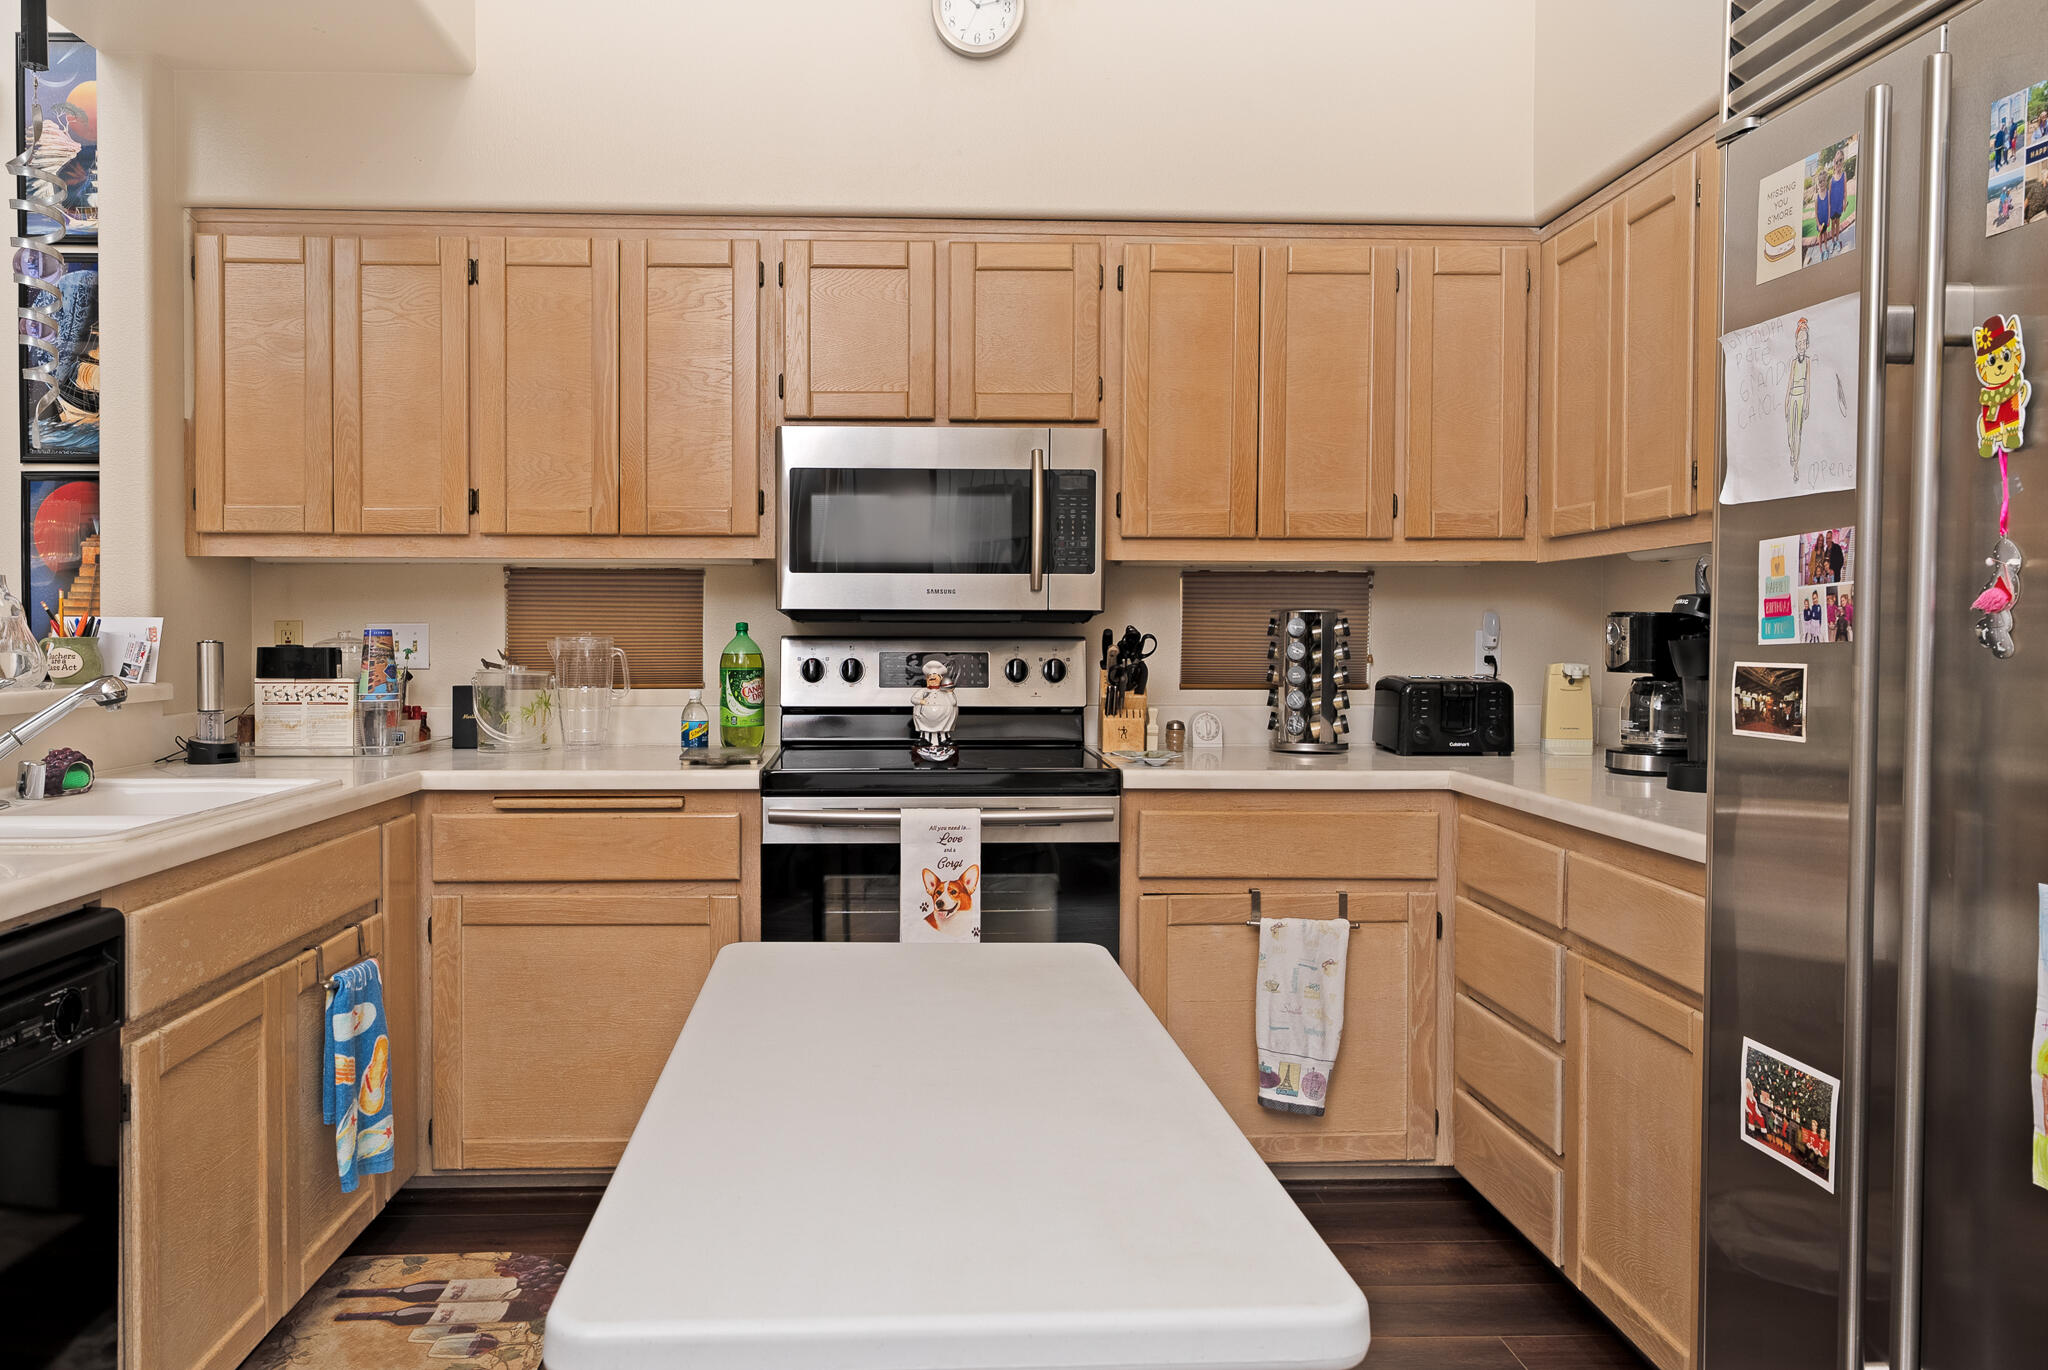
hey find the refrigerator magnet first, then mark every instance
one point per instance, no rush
(1788, 1112)
(1770, 700)
(2000, 354)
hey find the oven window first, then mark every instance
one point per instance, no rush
(910, 522)
(1029, 892)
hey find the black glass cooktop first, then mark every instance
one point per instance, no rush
(979, 769)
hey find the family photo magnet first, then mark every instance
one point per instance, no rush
(2001, 360)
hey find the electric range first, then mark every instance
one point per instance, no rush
(832, 796)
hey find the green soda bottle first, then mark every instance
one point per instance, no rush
(742, 691)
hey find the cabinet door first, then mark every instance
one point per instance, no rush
(690, 343)
(1468, 398)
(207, 1198)
(262, 408)
(1633, 1110)
(401, 385)
(1326, 391)
(1706, 346)
(319, 1220)
(554, 1013)
(1198, 966)
(404, 944)
(1191, 390)
(1024, 319)
(858, 319)
(1650, 473)
(547, 410)
(1576, 371)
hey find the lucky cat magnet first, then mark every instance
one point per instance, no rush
(2001, 359)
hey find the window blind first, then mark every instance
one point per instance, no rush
(656, 615)
(1223, 617)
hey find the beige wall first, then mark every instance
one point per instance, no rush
(1614, 81)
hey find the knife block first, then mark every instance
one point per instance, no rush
(1123, 731)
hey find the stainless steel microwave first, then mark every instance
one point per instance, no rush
(882, 522)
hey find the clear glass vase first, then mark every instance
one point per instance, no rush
(21, 656)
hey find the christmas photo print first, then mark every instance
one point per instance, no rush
(1788, 1112)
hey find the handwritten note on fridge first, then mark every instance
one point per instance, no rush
(1789, 403)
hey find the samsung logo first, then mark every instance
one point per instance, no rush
(935, 590)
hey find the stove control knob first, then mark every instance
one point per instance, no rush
(1015, 669)
(849, 669)
(813, 669)
(1054, 670)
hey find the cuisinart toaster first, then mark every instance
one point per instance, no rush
(1438, 715)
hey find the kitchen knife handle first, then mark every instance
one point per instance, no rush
(1923, 505)
(1037, 519)
(1871, 357)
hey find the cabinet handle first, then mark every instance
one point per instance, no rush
(602, 803)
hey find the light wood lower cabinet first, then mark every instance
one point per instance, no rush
(207, 1168)
(1634, 1115)
(1199, 972)
(553, 1014)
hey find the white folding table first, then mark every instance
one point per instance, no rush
(885, 1157)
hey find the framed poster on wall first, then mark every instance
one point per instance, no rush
(69, 150)
(60, 422)
(60, 546)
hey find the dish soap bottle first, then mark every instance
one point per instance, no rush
(742, 691)
(696, 724)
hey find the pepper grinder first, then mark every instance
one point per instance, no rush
(212, 746)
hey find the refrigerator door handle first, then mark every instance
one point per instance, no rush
(1877, 344)
(1917, 785)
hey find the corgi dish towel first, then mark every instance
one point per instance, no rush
(355, 1098)
(941, 855)
(1300, 1010)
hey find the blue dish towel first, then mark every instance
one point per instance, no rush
(356, 1099)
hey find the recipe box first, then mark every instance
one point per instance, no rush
(303, 715)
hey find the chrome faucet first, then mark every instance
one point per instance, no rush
(106, 691)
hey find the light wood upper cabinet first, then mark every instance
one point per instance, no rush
(401, 385)
(1633, 1117)
(1191, 390)
(1467, 435)
(207, 1185)
(1577, 341)
(1650, 473)
(504, 961)
(690, 346)
(1023, 331)
(1198, 969)
(1326, 391)
(857, 330)
(263, 374)
(547, 411)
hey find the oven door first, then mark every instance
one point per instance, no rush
(1048, 869)
(884, 520)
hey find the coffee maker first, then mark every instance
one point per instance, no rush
(1653, 722)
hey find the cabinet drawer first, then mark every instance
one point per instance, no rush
(1510, 871)
(1660, 928)
(1511, 967)
(1306, 843)
(1523, 1183)
(1511, 1071)
(583, 846)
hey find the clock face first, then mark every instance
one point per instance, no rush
(978, 28)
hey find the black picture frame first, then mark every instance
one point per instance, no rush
(35, 588)
(64, 51)
(43, 453)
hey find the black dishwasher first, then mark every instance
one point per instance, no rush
(60, 1140)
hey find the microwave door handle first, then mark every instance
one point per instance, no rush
(1037, 519)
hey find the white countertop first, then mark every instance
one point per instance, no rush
(1576, 790)
(866, 1156)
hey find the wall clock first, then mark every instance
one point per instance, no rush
(978, 28)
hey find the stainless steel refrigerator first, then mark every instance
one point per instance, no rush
(1873, 888)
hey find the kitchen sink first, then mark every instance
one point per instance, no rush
(125, 806)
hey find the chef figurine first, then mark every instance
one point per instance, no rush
(934, 710)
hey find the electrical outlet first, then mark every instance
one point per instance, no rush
(409, 641)
(288, 632)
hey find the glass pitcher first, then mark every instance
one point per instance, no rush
(514, 707)
(584, 692)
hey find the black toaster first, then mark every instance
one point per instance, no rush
(1443, 715)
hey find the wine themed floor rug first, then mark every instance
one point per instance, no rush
(479, 1308)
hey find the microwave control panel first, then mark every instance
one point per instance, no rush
(1070, 538)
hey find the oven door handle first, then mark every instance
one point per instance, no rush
(887, 818)
(1037, 519)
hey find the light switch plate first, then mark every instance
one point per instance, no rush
(287, 632)
(404, 635)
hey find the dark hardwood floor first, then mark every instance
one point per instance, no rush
(1451, 1284)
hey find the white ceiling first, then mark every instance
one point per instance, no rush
(282, 35)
